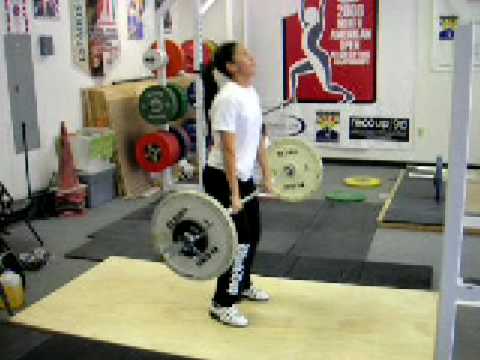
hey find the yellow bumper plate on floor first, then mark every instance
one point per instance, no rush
(362, 182)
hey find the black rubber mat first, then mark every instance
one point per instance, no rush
(315, 240)
(273, 265)
(282, 225)
(340, 231)
(75, 348)
(399, 276)
(128, 238)
(414, 203)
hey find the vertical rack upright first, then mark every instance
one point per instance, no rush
(454, 292)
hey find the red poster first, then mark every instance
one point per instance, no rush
(330, 51)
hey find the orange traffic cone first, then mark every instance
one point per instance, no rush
(67, 177)
(70, 197)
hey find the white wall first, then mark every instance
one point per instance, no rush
(58, 83)
(406, 84)
(434, 93)
(184, 25)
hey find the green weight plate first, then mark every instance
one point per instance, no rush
(296, 169)
(346, 196)
(182, 99)
(158, 105)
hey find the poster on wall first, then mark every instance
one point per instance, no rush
(95, 39)
(46, 9)
(329, 50)
(327, 127)
(448, 26)
(17, 16)
(446, 20)
(136, 11)
(167, 20)
(392, 130)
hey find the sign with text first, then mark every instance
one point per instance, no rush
(330, 51)
(384, 129)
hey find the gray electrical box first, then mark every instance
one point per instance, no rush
(21, 86)
(46, 45)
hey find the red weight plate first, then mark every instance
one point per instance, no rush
(156, 152)
(184, 140)
(189, 50)
(176, 57)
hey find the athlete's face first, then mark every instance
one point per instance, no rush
(244, 64)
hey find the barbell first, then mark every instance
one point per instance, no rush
(195, 234)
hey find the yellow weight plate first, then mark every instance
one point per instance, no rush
(362, 182)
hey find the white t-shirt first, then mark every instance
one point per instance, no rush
(237, 110)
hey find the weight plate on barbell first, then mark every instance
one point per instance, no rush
(154, 59)
(158, 105)
(195, 234)
(296, 169)
(183, 139)
(189, 50)
(212, 45)
(192, 93)
(156, 152)
(182, 98)
(176, 58)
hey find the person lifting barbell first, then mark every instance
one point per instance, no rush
(236, 125)
(197, 237)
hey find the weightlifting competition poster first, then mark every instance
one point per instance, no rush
(329, 51)
(17, 16)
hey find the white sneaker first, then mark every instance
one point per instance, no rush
(255, 294)
(228, 315)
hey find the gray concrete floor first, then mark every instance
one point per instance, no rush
(63, 235)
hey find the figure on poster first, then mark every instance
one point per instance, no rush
(105, 12)
(318, 60)
(46, 8)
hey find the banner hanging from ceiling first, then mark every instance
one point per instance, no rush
(95, 38)
(17, 16)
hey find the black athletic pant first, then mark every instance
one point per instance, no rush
(247, 223)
